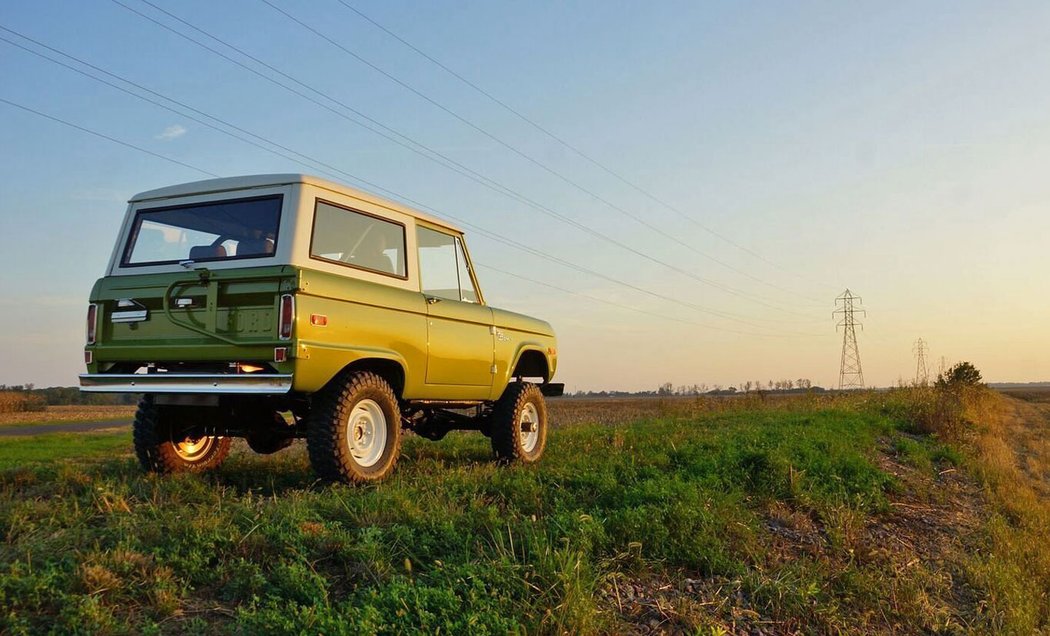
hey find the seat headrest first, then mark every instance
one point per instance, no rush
(201, 252)
(254, 246)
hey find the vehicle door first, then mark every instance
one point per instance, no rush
(459, 326)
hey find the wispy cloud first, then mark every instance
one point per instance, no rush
(172, 132)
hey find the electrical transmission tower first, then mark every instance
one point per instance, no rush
(922, 372)
(851, 376)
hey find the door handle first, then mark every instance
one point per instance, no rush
(432, 300)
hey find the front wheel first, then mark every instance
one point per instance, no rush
(353, 433)
(171, 439)
(518, 424)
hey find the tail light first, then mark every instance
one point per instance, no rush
(92, 323)
(286, 317)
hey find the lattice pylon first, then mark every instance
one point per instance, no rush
(851, 374)
(922, 370)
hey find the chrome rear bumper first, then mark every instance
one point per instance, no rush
(257, 383)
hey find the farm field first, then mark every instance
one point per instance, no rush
(826, 514)
(67, 414)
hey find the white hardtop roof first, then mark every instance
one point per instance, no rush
(226, 184)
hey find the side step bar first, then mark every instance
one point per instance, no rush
(258, 383)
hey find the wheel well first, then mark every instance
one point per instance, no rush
(531, 364)
(389, 370)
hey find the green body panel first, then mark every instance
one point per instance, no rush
(520, 333)
(364, 321)
(447, 350)
(233, 317)
(460, 338)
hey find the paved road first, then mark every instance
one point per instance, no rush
(72, 427)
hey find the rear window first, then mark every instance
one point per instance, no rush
(213, 231)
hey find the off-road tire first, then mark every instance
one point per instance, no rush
(155, 446)
(328, 434)
(505, 424)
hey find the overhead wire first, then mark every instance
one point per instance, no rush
(155, 102)
(105, 136)
(425, 151)
(571, 147)
(330, 169)
(206, 172)
(623, 306)
(307, 160)
(520, 153)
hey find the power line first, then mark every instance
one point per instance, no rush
(622, 306)
(106, 137)
(514, 149)
(851, 375)
(154, 102)
(573, 148)
(303, 159)
(424, 150)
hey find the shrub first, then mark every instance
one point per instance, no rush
(962, 374)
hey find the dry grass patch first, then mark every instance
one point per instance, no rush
(65, 414)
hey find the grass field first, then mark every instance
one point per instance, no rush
(804, 515)
(61, 448)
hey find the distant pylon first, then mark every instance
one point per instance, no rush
(922, 372)
(851, 376)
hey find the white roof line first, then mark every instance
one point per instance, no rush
(227, 184)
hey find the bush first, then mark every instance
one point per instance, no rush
(962, 374)
(948, 409)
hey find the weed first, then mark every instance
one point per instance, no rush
(767, 505)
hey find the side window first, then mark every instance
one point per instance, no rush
(466, 285)
(360, 240)
(443, 267)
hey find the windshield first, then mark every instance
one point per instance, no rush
(213, 231)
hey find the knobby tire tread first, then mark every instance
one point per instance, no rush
(325, 431)
(155, 453)
(506, 440)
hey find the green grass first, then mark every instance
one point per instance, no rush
(16, 451)
(455, 544)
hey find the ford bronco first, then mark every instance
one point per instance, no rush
(277, 307)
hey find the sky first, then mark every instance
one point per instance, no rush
(715, 173)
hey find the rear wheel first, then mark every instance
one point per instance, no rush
(171, 439)
(353, 432)
(518, 424)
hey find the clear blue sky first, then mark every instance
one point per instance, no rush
(899, 149)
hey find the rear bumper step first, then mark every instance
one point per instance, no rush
(257, 383)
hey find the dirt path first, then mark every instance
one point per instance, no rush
(1027, 431)
(72, 427)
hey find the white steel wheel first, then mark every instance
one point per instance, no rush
(192, 449)
(353, 431)
(529, 427)
(366, 432)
